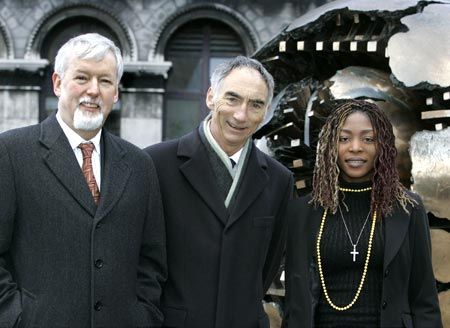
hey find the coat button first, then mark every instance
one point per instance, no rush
(98, 263)
(98, 306)
(384, 305)
(98, 225)
(386, 273)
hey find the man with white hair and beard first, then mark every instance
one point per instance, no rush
(81, 227)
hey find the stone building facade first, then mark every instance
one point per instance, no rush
(169, 49)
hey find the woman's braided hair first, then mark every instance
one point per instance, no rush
(386, 186)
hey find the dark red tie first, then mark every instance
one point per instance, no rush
(87, 149)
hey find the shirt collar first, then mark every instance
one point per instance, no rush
(235, 157)
(74, 138)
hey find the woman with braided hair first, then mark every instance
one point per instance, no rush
(358, 251)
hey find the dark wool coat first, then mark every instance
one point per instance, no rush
(220, 263)
(63, 261)
(409, 296)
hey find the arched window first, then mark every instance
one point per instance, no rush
(53, 40)
(195, 49)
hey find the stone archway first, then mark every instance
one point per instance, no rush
(217, 12)
(57, 18)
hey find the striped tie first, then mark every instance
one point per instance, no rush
(86, 150)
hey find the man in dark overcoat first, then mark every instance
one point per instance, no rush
(224, 203)
(81, 224)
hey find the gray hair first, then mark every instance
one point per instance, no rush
(87, 46)
(222, 71)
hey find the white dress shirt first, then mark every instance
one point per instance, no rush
(75, 139)
(236, 156)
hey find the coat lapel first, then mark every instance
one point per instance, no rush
(198, 172)
(62, 162)
(316, 219)
(396, 227)
(254, 179)
(115, 175)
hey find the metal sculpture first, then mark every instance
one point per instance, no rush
(395, 53)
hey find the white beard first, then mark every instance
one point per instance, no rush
(86, 121)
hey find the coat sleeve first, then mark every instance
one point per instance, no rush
(278, 239)
(10, 298)
(422, 291)
(152, 272)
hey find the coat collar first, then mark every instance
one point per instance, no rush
(396, 230)
(254, 180)
(198, 172)
(316, 220)
(116, 172)
(61, 160)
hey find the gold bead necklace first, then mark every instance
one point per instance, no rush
(355, 190)
(366, 263)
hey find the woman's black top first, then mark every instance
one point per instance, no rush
(342, 275)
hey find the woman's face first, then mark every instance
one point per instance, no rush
(357, 148)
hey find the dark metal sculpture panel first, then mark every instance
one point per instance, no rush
(395, 53)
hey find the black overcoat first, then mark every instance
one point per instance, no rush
(220, 263)
(409, 296)
(64, 262)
